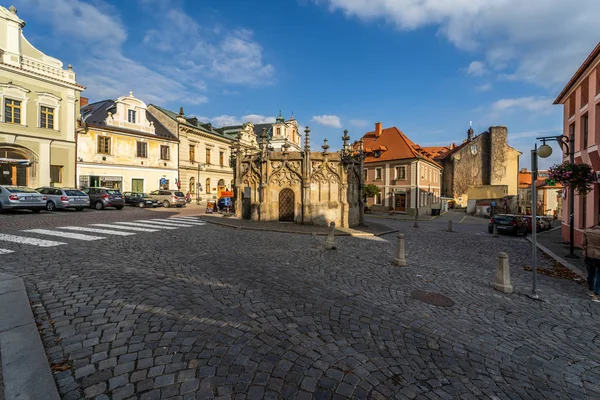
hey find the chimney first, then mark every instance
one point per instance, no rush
(181, 116)
(452, 146)
(83, 101)
(378, 130)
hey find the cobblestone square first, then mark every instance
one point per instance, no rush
(205, 311)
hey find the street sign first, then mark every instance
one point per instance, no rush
(227, 202)
(493, 204)
(163, 181)
(550, 182)
(226, 194)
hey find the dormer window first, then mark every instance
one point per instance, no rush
(131, 116)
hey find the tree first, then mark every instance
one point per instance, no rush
(370, 190)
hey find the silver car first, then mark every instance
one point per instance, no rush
(62, 198)
(21, 198)
(169, 198)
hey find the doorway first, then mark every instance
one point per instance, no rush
(286, 205)
(400, 202)
(137, 185)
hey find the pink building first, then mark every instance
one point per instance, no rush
(581, 116)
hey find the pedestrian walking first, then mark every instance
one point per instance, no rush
(591, 251)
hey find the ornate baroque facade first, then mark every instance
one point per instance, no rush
(297, 186)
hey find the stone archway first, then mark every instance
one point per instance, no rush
(15, 165)
(286, 205)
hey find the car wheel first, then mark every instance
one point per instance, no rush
(166, 204)
(141, 204)
(99, 205)
(79, 208)
(50, 206)
(36, 211)
(119, 207)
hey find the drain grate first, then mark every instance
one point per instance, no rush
(435, 299)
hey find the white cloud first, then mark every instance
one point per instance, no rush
(538, 41)
(542, 105)
(484, 88)
(328, 120)
(476, 68)
(229, 120)
(359, 123)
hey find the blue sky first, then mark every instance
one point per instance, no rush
(426, 66)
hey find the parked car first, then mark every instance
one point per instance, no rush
(169, 198)
(62, 198)
(528, 219)
(101, 198)
(508, 223)
(21, 198)
(545, 223)
(140, 200)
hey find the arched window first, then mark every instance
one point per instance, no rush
(207, 185)
(192, 185)
(278, 131)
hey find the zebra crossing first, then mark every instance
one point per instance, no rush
(92, 232)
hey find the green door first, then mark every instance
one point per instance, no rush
(137, 185)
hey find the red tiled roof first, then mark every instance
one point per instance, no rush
(394, 145)
(588, 61)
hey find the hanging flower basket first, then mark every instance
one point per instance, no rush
(581, 177)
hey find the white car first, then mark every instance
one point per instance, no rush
(544, 222)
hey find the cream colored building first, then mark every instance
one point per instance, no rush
(204, 166)
(122, 146)
(38, 113)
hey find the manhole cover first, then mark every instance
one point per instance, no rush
(432, 298)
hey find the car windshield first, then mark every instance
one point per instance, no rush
(75, 193)
(21, 190)
(115, 192)
(503, 218)
(179, 194)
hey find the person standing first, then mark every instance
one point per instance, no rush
(591, 251)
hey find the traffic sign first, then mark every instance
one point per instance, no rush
(227, 202)
(163, 181)
(550, 182)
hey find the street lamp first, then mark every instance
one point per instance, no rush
(198, 185)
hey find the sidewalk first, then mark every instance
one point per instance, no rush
(552, 243)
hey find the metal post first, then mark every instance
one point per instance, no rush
(534, 172)
(197, 186)
(572, 200)
(449, 225)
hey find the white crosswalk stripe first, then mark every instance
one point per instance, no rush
(126, 228)
(184, 217)
(159, 223)
(96, 230)
(65, 235)
(6, 251)
(29, 241)
(145, 225)
(185, 221)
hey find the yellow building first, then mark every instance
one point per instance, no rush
(39, 108)
(122, 146)
(204, 168)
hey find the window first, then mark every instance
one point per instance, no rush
(131, 116)
(46, 117)
(192, 185)
(221, 158)
(278, 131)
(56, 173)
(12, 111)
(365, 175)
(378, 199)
(401, 173)
(192, 152)
(103, 144)
(207, 185)
(584, 126)
(142, 149)
(207, 156)
(164, 153)
(377, 174)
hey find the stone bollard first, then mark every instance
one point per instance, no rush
(400, 260)
(449, 225)
(495, 229)
(502, 282)
(330, 241)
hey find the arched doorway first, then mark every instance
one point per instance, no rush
(220, 187)
(286, 205)
(192, 185)
(14, 166)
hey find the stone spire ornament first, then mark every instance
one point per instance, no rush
(325, 146)
(346, 139)
(470, 131)
(307, 140)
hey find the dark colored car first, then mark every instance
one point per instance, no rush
(221, 204)
(105, 197)
(508, 223)
(528, 219)
(140, 200)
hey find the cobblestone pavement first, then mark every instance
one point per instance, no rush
(215, 312)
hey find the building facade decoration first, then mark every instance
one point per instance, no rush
(408, 179)
(581, 119)
(38, 111)
(304, 187)
(481, 160)
(122, 146)
(203, 157)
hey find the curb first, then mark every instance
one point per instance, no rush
(25, 369)
(560, 260)
(251, 228)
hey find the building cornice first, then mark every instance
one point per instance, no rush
(578, 74)
(115, 129)
(37, 75)
(185, 129)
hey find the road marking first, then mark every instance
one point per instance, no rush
(67, 235)
(30, 241)
(145, 225)
(6, 251)
(157, 223)
(173, 220)
(96, 230)
(463, 218)
(184, 217)
(129, 228)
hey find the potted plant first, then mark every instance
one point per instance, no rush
(581, 177)
(369, 190)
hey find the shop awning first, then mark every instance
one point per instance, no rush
(14, 161)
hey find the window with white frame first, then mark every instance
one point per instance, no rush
(131, 116)
(48, 107)
(377, 174)
(378, 198)
(142, 150)
(401, 173)
(13, 104)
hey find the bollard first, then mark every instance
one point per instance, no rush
(449, 225)
(400, 260)
(502, 282)
(495, 228)
(330, 241)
